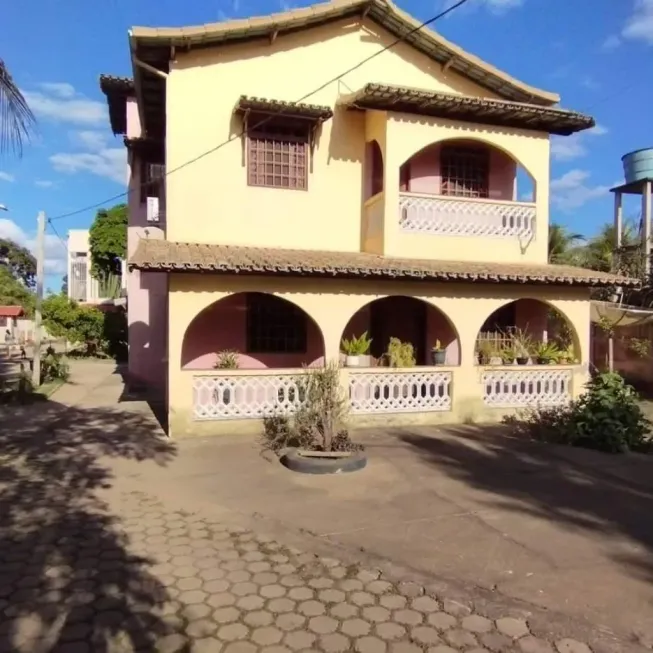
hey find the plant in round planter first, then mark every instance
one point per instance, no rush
(355, 348)
(546, 353)
(225, 360)
(315, 439)
(438, 354)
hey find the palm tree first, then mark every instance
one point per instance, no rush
(600, 250)
(16, 118)
(563, 245)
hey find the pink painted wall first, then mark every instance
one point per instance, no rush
(439, 328)
(222, 326)
(424, 173)
(147, 292)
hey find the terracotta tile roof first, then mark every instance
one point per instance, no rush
(165, 255)
(472, 109)
(117, 90)
(291, 109)
(11, 311)
(146, 41)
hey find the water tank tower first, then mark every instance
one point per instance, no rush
(638, 177)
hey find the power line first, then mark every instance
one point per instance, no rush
(243, 132)
(56, 233)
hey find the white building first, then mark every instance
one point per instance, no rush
(82, 286)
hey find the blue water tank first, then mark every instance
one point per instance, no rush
(638, 165)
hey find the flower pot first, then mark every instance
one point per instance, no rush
(542, 361)
(508, 361)
(438, 356)
(522, 360)
(352, 361)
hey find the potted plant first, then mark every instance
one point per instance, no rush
(546, 353)
(522, 345)
(355, 348)
(485, 353)
(508, 355)
(226, 360)
(400, 354)
(438, 354)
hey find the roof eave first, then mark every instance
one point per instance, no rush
(383, 12)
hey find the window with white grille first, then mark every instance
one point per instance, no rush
(465, 171)
(277, 156)
(274, 325)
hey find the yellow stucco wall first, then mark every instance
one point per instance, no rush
(332, 302)
(211, 202)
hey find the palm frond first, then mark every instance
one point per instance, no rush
(16, 118)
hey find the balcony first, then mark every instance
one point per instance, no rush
(438, 215)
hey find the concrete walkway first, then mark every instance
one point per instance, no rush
(116, 539)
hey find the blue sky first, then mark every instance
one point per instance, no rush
(597, 54)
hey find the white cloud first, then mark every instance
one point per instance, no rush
(495, 6)
(90, 140)
(571, 190)
(611, 42)
(60, 89)
(44, 183)
(107, 162)
(639, 25)
(55, 249)
(61, 103)
(566, 148)
(5, 176)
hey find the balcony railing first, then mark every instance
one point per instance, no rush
(523, 388)
(457, 216)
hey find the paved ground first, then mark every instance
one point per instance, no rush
(113, 539)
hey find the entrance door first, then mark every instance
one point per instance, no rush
(398, 317)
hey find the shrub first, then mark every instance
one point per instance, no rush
(53, 367)
(607, 417)
(226, 360)
(319, 422)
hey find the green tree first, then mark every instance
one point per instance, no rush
(64, 284)
(15, 293)
(65, 318)
(19, 261)
(108, 241)
(16, 118)
(564, 246)
(600, 251)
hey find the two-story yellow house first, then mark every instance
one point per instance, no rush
(334, 170)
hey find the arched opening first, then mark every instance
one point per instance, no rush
(252, 331)
(469, 169)
(527, 332)
(411, 321)
(373, 169)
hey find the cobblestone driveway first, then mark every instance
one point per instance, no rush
(171, 581)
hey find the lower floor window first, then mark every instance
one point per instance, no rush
(274, 326)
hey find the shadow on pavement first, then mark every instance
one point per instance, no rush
(529, 479)
(66, 572)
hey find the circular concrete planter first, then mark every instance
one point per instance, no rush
(318, 462)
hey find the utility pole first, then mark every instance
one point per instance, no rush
(40, 273)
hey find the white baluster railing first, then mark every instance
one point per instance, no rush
(526, 388)
(241, 396)
(399, 391)
(455, 216)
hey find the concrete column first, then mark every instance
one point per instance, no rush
(646, 217)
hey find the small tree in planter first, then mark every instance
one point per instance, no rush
(522, 344)
(225, 360)
(355, 348)
(317, 430)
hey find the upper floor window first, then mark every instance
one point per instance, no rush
(277, 155)
(152, 175)
(465, 171)
(274, 325)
